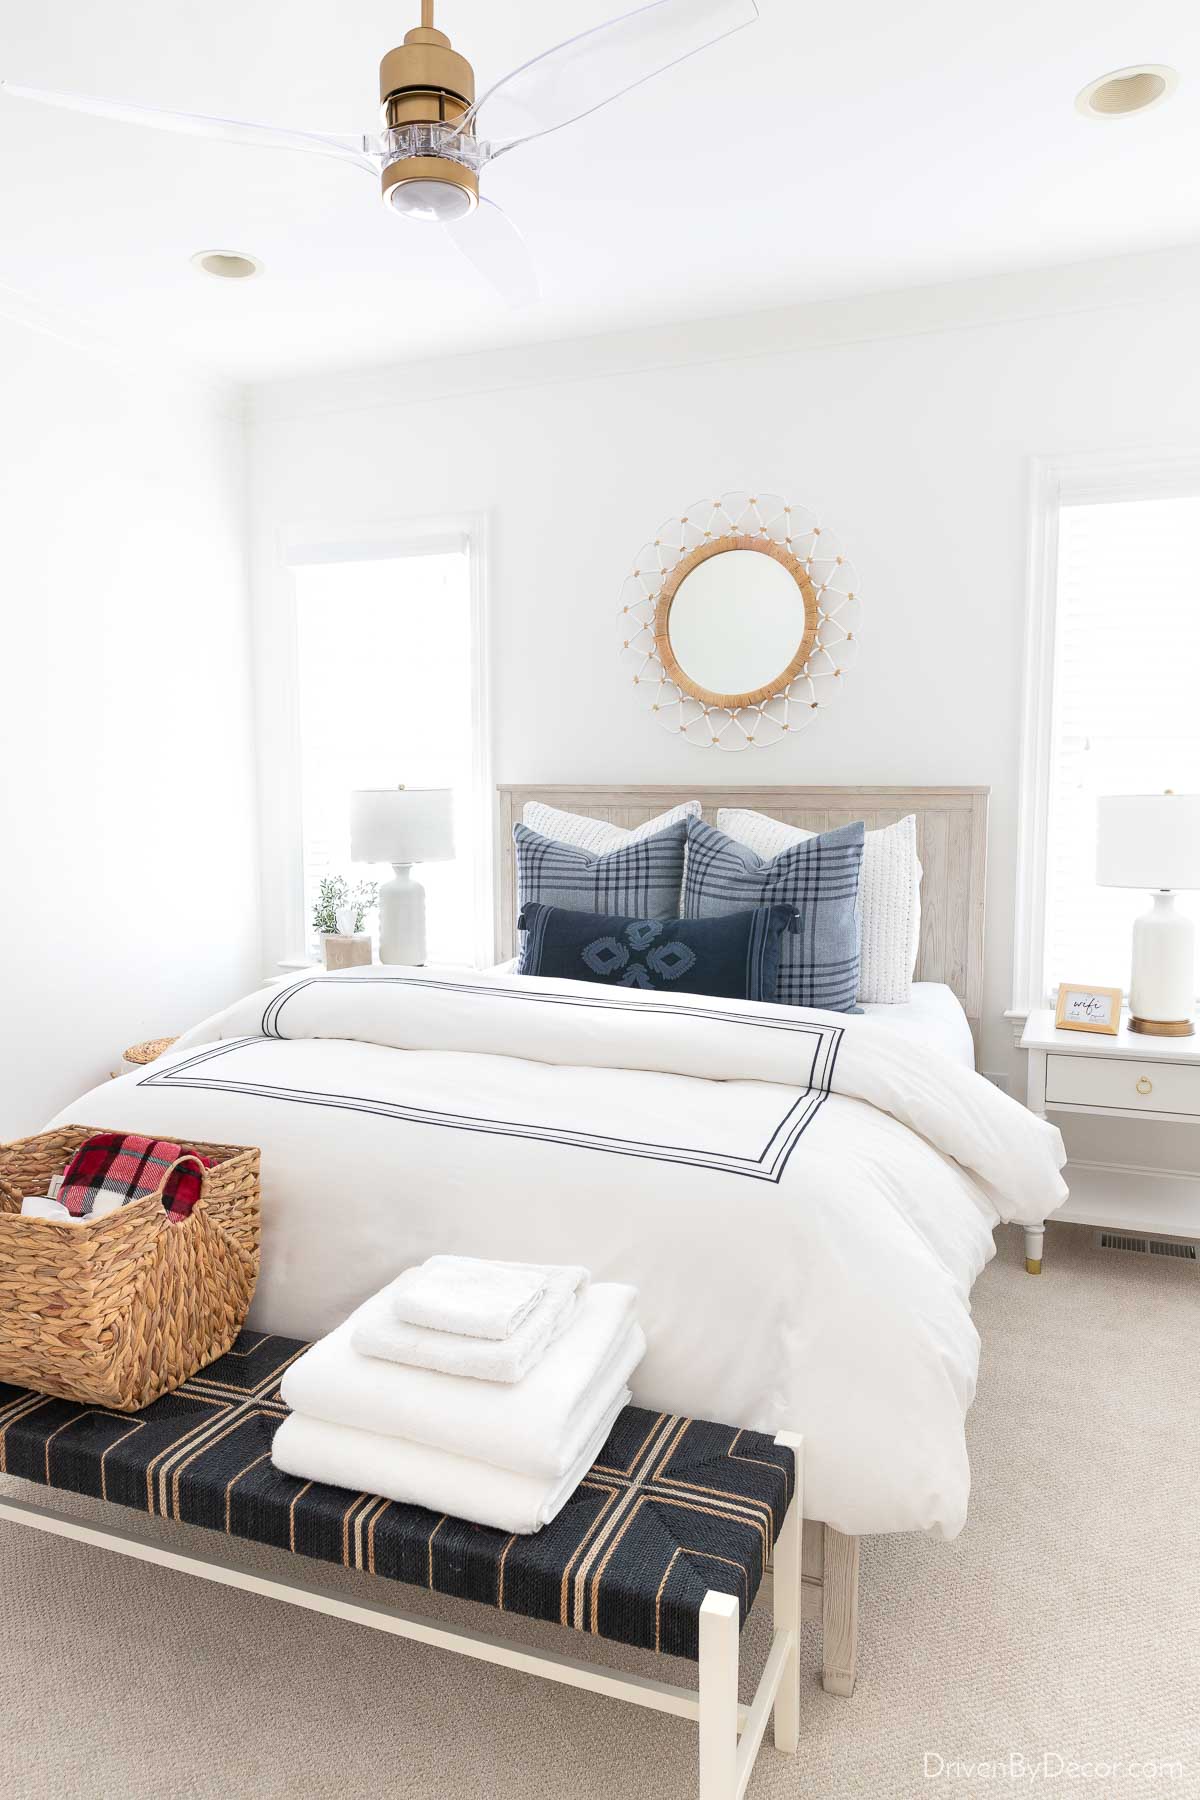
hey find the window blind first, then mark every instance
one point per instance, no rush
(1126, 709)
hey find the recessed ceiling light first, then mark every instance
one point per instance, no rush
(226, 265)
(1126, 91)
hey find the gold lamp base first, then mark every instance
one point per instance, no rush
(1164, 1027)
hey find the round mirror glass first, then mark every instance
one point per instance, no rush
(736, 622)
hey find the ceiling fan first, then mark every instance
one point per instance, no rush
(436, 137)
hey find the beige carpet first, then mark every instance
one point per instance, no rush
(1064, 1621)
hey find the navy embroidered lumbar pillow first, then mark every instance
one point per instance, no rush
(817, 878)
(733, 958)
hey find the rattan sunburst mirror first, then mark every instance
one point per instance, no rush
(739, 620)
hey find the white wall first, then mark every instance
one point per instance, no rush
(128, 882)
(908, 420)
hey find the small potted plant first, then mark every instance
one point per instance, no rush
(338, 921)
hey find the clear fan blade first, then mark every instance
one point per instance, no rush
(492, 244)
(361, 150)
(586, 72)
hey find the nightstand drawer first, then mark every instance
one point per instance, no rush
(1150, 1087)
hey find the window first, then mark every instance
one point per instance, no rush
(1112, 708)
(388, 692)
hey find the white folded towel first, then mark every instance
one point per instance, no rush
(537, 1426)
(41, 1206)
(416, 1475)
(380, 1333)
(468, 1295)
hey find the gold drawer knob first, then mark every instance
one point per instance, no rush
(1145, 1085)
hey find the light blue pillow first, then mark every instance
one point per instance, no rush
(819, 877)
(640, 880)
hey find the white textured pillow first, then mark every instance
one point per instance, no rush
(599, 835)
(889, 894)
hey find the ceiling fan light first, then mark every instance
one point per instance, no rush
(431, 188)
(441, 202)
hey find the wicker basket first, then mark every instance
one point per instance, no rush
(120, 1311)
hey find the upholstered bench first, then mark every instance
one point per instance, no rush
(663, 1545)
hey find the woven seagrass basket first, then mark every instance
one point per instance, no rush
(118, 1312)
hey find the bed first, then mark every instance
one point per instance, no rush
(802, 1202)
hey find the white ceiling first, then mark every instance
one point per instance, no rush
(826, 151)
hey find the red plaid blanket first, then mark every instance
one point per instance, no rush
(115, 1162)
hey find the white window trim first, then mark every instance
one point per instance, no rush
(1055, 481)
(280, 807)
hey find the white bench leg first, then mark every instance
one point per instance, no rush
(719, 1636)
(1034, 1237)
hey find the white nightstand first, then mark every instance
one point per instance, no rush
(1124, 1077)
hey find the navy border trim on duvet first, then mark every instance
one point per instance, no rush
(605, 998)
(768, 1164)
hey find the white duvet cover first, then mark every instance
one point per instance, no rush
(932, 1018)
(802, 1201)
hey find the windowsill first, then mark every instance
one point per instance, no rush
(296, 965)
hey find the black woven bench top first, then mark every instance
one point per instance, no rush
(672, 1507)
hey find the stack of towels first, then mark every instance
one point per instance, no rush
(483, 1390)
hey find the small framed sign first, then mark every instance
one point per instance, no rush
(1088, 1009)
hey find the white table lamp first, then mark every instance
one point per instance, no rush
(1153, 841)
(401, 826)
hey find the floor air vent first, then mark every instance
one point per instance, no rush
(1123, 1240)
(1120, 1240)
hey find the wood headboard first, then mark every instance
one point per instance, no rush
(951, 843)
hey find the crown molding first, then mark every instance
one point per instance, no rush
(122, 356)
(1160, 276)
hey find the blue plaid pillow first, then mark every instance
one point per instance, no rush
(640, 880)
(819, 877)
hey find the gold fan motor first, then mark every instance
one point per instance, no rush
(425, 87)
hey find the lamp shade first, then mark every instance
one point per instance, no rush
(1148, 841)
(401, 825)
